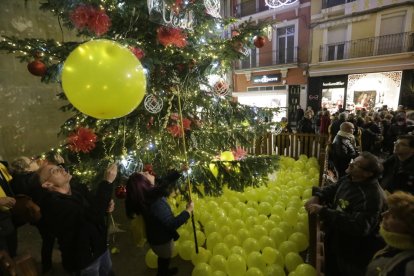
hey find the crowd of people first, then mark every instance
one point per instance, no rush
(367, 211)
(77, 218)
(369, 203)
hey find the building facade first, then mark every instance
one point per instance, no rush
(362, 54)
(274, 75)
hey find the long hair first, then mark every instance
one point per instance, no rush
(140, 194)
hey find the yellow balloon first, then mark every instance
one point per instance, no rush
(151, 259)
(213, 169)
(227, 156)
(103, 79)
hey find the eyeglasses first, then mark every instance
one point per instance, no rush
(53, 171)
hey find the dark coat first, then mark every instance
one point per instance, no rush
(351, 220)
(160, 224)
(342, 151)
(398, 175)
(305, 126)
(79, 223)
(387, 257)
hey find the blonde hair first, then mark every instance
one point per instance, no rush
(401, 205)
(20, 164)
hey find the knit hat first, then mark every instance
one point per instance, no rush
(401, 205)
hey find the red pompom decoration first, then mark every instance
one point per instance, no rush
(171, 36)
(37, 68)
(82, 140)
(80, 16)
(138, 52)
(87, 16)
(239, 153)
(99, 22)
(259, 41)
(120, 191)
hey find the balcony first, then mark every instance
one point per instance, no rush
(249, 7)
(332, 3)
(269, 58)
(368, 47)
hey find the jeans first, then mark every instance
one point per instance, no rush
(100, 267)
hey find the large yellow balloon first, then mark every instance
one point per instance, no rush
(103, 79)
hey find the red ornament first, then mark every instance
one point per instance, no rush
(138, 52)
(82, 140)
(259, 41)
(120, 191)
(171, 36)
(37, 68)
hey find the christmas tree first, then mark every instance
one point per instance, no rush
(185, 50)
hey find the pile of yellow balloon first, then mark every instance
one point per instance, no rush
(103, 79)
(259, 232)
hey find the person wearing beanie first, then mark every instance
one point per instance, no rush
(397, 229)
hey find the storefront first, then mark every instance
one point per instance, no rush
(265, 90)
(369, 91)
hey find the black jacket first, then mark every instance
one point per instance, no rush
(351, 218)
(160, 224)
(79, 223)
(342, 151)
(398, 175)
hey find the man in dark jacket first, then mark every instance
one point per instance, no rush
(350, 211)
(399, 168)
(343, 148)
(77, 218)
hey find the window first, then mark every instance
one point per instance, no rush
(285, 45)
(391, 38)
(336, 43)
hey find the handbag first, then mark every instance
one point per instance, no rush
(139, 235)
(25, 211)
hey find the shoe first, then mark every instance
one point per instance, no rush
(173, 271)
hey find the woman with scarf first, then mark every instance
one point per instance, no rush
(397, 229)
(343, 148)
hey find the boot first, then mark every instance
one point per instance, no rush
(163, 264)
(163, 270)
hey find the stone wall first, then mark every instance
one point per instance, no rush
(29, 108)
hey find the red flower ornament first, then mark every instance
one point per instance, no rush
(82, 140)
(99, 22)
(87, 16)
(171, 36)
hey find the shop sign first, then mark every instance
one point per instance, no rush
(267, 78)
(337, 83)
